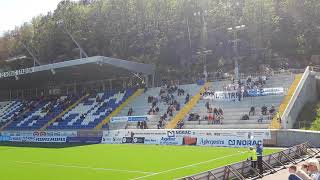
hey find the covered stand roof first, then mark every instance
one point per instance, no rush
(91, 68)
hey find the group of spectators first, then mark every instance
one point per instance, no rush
(213, 117)
(167, 96)
(309, 170)
(154, 109)
(241, 87)
(264, 112)
(142, 125)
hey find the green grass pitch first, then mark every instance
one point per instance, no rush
(113, 162)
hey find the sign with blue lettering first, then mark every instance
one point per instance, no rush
(131, 118)
(265, 91)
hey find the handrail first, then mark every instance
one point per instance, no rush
(294, 97)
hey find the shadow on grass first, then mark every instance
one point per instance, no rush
(41, 145)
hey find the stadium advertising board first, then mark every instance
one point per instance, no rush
(40, 133)
(227, 138)
(265, 91)
(84, 140)
(53, 139)
(227, 141)
(131, 118)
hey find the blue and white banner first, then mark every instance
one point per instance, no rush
(228, 141)
(131, 118)
(265, 91)
(53, 139)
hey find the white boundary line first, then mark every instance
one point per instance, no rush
(182, 167)
(83, 167)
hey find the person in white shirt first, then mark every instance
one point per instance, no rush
(313, 169)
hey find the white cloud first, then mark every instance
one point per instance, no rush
(15, 12)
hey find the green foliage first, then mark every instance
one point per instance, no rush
(167, 33)
(315, 126)
(309, 117)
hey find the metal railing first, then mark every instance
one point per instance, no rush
(243, 170)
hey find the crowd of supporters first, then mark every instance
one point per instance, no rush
(309, 170)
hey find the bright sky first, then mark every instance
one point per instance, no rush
(16, 12)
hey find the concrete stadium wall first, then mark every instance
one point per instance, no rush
(292, 137)
(306, 92)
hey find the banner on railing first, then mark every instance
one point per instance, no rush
(227, 138)
(222, 96)
(131, 118)
(265, 91)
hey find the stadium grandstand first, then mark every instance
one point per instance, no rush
(60, 96)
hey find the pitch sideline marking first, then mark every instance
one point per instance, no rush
(190, 165)
(83, 167)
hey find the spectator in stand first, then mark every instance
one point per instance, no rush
(180, 124)
(207, 105)
(138, 125)
(160, 123)
(210, 118)
(272, 110)
(313, 169)
(239, 94)
(260, 119)
(245, 117)
(178, 107)
(292, 171)
(217, 119)
(145, 87)
(187, 98)
(252, 111)
(154, 103)
(165, 116)
(197, 116)
(145, 125)
(130, 112)
(157, 109)
(220, 111)
(215, 112)
(264, 110)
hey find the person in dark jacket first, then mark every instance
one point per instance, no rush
(259, 151)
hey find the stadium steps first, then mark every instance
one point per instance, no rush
(119, 109)
(65, 111)
(275, 124)
(186, 109)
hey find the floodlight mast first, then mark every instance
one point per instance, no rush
(35, 59)
(82, 52)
